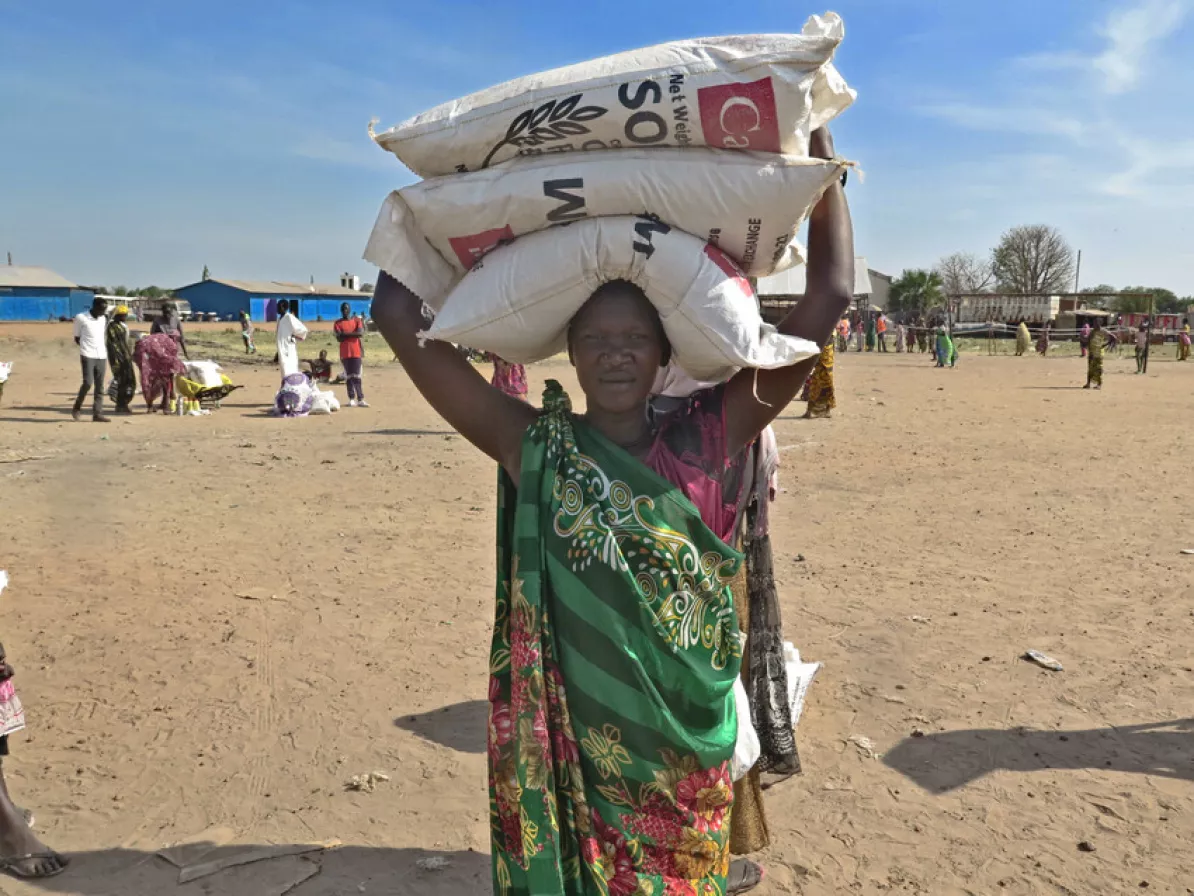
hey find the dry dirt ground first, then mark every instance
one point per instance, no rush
(217, 622)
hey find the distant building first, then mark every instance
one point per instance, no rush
(780, 292)
(32, 293)
(228, 298)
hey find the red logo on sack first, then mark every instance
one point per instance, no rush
(729, 268)
(470, 249)
(740, 116)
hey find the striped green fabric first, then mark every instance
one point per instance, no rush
(615, 650)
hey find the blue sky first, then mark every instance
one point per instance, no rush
(141, 140)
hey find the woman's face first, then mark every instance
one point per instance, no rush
(616, 350)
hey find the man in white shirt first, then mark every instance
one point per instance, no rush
(90, 329)
(290, 332)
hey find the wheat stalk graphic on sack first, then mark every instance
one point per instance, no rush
(554, 120)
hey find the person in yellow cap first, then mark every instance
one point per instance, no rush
(120, 358)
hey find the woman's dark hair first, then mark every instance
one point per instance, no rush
(635, 291)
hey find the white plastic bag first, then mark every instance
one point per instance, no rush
(748, 204)
(747, 748)
(800, 679)
(5, 370)
(324, 402)
(517, 302)
(765, 92)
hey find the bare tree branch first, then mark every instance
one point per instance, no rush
(963, 273)
(1033, 260)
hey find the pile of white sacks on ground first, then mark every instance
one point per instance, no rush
(682, 168)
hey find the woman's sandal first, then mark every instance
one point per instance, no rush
(11, 864)
(744, 876)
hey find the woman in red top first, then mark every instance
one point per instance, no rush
(349, 331)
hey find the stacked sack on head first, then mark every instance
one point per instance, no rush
(682, 168)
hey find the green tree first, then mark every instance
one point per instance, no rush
(1101, 296)
(1166, 301)
(916, 291)
(120, 291)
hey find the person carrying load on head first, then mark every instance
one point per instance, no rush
(611, 718)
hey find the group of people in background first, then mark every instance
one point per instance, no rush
(873, 332)
(299, 392)
(106, 342)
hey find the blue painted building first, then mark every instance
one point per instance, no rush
(33, 293)
(228, 298)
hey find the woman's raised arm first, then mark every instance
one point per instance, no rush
(756, 397)
(491, 420)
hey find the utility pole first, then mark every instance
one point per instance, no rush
(1078, 271)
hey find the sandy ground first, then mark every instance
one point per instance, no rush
(217, 622)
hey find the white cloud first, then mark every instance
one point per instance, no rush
(1101, 146)
(1006, 119)
(1131, 33)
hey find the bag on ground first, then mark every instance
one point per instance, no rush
(205, 373)
(800, 679)
(747, 748)
(517, 301)
(748, 204)
(763, 92)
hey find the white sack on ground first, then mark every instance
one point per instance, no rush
(800, 679)
(747, 748)
(764, 92)
(518, 300)
(205, 373)
(750, 205)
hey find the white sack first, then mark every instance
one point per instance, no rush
(749, 204)
(205, 373)
(324, 402)
(518, 300)
(765, 92)
(747, 748)
(800, 679)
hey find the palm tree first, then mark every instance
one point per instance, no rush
(916, 291)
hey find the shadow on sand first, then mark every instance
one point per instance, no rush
(461, 726)
(345, 870)
(952, 759)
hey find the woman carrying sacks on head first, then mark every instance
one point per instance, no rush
(616, 643)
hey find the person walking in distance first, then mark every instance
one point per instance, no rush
(349, 331)
(881, 326)
(90, 336)
(291, 332)
(120, 359)
(246, 333)
(1023, 339)
(1042, 344)
(1100, 340)
(1141, 347)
